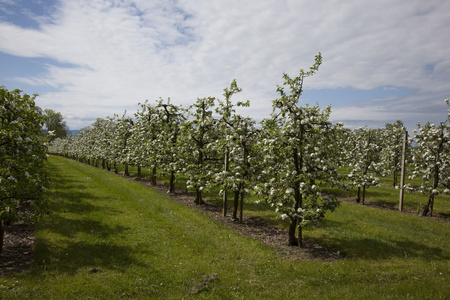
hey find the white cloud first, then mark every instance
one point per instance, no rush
(124, 52)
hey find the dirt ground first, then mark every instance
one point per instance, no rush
(17, 255)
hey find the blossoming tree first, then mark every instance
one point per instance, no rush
(392, 137)
(170, 117)
(23, 153)
(295, 154)
(363, 157)
(200, 158)
(237, 141)
(431, 160)
(144, 137)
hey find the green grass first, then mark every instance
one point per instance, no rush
(109, 237)
(389, 196)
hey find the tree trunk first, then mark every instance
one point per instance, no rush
(358, 196)
(126, 172)
(241, 205)
(298, 203)
(245, 176)
(224, 203)
(364, 194)
(293, 240)
(2, 234)
(153, 179)
(235, 204)
(139, 171)
(395, 178)
(428, 208)
(300, 237)
(198, 197)
(172, 183)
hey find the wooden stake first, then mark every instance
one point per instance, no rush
(402, 176)
(226, 169)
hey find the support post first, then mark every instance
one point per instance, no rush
(225, 197)
(402, 176)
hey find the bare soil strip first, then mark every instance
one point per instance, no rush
(17, 255)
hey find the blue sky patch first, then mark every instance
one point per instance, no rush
(14, 68)
(27, 13)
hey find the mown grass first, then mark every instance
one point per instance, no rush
(109, 237)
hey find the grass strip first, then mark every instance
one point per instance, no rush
(108, 237)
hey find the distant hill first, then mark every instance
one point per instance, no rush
(73, 132)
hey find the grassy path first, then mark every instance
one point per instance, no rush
(107, 237)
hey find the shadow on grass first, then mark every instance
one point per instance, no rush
(78, 201)
(75, 239)
(366, 248)
(445, 214)
(80, 255)
(70, 228)
(68, 194)
(386, 247)
(81, 242)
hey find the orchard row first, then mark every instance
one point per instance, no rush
(23, 153)
(282, 159)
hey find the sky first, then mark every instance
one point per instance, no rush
(383, 60)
